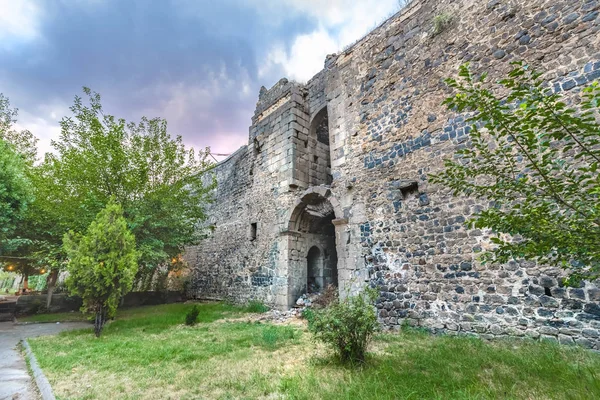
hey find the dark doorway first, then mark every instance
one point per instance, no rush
(314, 265)
(312, 257)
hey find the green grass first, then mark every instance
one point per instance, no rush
(148, 353)
(54, 317)
(256, 307)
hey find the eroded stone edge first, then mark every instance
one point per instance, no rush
(40, 379)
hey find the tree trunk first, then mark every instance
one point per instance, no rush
(99, 321)
(51, 280)
(25, 282)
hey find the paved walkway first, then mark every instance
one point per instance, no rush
(15, 382)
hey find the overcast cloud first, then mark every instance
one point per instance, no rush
(199, 64)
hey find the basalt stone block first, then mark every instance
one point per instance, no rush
(592, 308)
(547, 281)
(536, 290)
(576, 293)
(548, 301)
(590, 16)
(572, 304)
(570, 18)
(544, 312)
(565, 340)
(511, 310)
(499, 54)
(594, 294)
(583, 342)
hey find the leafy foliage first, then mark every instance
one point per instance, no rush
(17, 153)
(160, 184)
(102, 263)
(535, 159)
(347, 325)
(15, 191)
(191, 317)
(22, 141)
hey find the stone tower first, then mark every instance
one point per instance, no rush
(332, 187)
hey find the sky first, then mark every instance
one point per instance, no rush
(197, 63)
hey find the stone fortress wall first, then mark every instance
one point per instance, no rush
(332, 186)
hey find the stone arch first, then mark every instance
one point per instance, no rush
(310, 196)
(311, 238)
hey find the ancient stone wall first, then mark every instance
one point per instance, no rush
(387, 130)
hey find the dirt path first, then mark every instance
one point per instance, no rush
(15, 382)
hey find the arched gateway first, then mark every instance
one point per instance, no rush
(311, 251)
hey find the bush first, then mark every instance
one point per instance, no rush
(347, 325)
(308, 314)
(192, 316)
(255, 306)
(102, 264)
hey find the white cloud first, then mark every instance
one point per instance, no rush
(185, 103)
(44, 125)
(339, 23)
(19, 21)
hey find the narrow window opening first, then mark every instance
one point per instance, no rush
(409, 188)
(547, 291)
(253, 230)
(256, 147)
(305, 143)
(315, 159)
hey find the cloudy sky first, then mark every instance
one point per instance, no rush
(197, 63)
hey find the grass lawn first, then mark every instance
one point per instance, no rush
(54, 317)
(148, 354)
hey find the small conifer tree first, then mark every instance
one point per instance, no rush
(102, 264)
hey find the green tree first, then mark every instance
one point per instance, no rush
(102, 264)
(534, 157)
(17, 152)
(22, 141)
(23, 248)
(161, 185)
(15, 192)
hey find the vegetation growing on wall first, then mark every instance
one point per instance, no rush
(534, 156)
(441, 22)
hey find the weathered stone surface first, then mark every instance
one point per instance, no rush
(341, 164)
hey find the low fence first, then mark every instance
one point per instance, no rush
(31, 304)
(7, 310)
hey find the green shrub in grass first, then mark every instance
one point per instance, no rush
(347, 325)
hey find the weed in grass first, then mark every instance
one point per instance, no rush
(192, 316)
(274, 336)
(256, 307)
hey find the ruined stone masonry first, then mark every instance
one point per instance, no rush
(332, 187)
